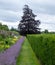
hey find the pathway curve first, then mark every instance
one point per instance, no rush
(10, 55)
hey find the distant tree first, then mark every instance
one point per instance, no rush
(46, 31)
(3, 27)
(0, 26)
(28, 24)
(13, 29)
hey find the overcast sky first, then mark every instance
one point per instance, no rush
(11, 12)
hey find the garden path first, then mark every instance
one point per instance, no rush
(10, 55)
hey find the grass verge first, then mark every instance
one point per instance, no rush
(27, 56)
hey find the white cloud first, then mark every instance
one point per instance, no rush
(8, 15)
(47, 21)
(49, 2)
(11, 10)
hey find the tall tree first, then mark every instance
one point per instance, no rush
(28, 24)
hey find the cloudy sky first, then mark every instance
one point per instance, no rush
(11, 12)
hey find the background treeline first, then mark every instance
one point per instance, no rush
(5, 31)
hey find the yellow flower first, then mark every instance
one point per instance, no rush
(7, 46)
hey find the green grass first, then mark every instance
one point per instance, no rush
(27, 56)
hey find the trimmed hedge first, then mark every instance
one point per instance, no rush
(44, 47)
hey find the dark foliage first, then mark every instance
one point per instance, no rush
(28, 24)
(4, 27)
(13, 29)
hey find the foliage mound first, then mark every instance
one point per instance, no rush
(6, 42)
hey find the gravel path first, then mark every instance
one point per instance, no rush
(10, 55)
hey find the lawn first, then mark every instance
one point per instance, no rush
(27, 56)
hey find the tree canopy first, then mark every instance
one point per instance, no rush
(3, 27)
(28, 24)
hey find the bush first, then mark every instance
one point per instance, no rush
(1, 38)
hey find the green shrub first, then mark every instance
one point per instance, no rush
(1, 38)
